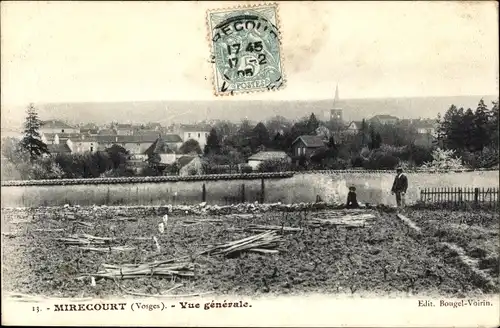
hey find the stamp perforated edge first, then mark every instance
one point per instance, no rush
(212, 55)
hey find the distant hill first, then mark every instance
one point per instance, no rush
(166, 112)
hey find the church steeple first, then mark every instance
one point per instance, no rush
(336, 99)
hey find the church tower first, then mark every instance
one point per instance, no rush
(336, 112)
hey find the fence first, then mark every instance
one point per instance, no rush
(459, 196)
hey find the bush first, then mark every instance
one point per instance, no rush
(358, 161)
(43, 168)
(337, 164)
(274, 165)
(379, 160)
(488, 158)
(171, 169)
(246, 169)
(10, 171)
(444, 160)
(420, 155)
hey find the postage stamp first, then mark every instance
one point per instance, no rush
(246, 49)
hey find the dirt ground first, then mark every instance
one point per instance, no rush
(476, 232)
(382, 257)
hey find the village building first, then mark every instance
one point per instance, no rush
(190, 165)
(133, 144)
(163, 149)
(354, 127)
(334, 114)
(195, 132)
(384, 119)
(124, 129)
(424, 127)
(89, 131)
(56, 126)
(200, 136)
(256, 159)
(306, 145)
(107, 132)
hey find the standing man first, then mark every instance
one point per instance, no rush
(399, 187)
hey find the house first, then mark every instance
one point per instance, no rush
(173, 141)
(197, 133)
(424, 127)
(305, 145)
(160, 147)
(107, 132)
(256, 159)
(55, 149)
(190, 165)
(133, 144)
(78, 143)
(124, 129)
(56, 126)
(90, 131)
(85, 143)
(384, 119)
(354, 127)
(154, 126)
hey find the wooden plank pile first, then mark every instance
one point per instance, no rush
(85, 240)
(158, 268)
(265, 243)
(348, 220)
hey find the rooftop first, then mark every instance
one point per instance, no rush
(384, 117)
(185, 160)
(267, 155)
(310, 141)
(59, 148)
(55, 124)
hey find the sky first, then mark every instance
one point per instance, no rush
(126, 51)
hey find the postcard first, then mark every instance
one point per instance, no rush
(245, 163)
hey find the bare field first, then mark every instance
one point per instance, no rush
(355, 255)
(476, 232)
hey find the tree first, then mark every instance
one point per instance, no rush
(12, 150)
(481, 136)
(312, 124)
(363, 133)
(190, 146)
(467, 127)
(493, 125)
(452, 129)
(278, 124)
(31, 142)
(260, 136)
(375, 139)
(331, 143)
(213, 143)
(118, 155)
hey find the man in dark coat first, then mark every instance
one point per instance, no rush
(400, 186)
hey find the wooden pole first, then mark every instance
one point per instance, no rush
(262, 187)
(203, 193)
(242, 192)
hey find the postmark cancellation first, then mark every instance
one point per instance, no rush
(246, 49)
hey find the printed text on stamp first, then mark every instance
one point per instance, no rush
(246, 50)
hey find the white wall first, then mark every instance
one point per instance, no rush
(200, 136)
(254, 164)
